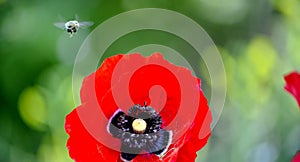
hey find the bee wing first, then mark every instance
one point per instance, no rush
(60, 25)
(85, 24)
(76, 17)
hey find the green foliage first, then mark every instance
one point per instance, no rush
(32, 108)
(258, 41)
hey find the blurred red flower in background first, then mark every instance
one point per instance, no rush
(89, 140)
(296, 157)
(293, 85)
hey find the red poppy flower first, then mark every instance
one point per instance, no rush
(296, 157)
(293, 85)
(145, 103)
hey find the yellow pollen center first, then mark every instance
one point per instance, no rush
(139, 125)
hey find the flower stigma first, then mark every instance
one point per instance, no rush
(139, 125)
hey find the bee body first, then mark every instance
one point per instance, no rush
(73, 26)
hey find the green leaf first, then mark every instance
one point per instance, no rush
(261, 57)
(32, 108)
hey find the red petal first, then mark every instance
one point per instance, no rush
(82, 146)
(293, 85)
(99, 83)
(170, 89)
(200, 133)
(296, 157)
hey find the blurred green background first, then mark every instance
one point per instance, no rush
(259, 41)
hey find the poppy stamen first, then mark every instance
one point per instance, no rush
(139, 130)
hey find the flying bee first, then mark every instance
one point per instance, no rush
(73, 26)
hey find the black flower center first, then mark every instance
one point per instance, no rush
(139, 130)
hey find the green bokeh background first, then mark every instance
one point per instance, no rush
(259, 41)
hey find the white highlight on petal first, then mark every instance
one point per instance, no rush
(110, 119)
(124, 160)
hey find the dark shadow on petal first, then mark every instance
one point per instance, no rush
(119, 123)
(153, 125)
(158, 143)
(128, 153)
(127, 157)
(143, 112)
